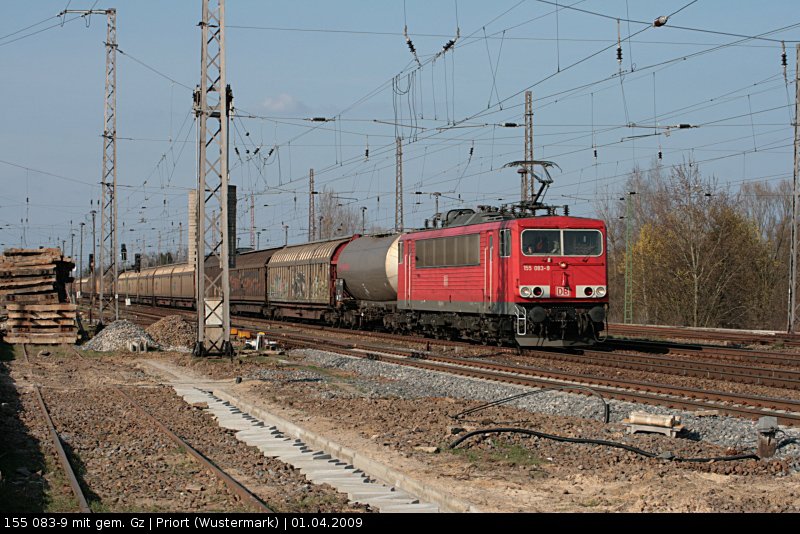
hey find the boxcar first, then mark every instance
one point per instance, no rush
(301, 280)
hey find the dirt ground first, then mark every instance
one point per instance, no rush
(508, 472)
(123, 463)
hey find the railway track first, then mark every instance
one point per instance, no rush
(704, 366)
(759, 357)
(744, 374)
(745, 337)
(66, 466)
(787, 411)
(236, 488)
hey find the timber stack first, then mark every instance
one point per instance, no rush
(33, 293)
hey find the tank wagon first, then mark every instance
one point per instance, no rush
(490, 276)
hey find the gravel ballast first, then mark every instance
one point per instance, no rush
(409, 383)
(118, 336)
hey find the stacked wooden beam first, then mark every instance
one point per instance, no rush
(33, 292)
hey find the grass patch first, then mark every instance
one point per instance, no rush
(312, 503)
(58, 499)
(513, 455)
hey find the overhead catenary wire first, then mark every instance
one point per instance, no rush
(431, 141)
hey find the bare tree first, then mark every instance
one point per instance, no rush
(336, 217)
(770, 208)
(699, 259)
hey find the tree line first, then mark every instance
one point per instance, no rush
(702, 254)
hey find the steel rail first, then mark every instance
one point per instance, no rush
(659, 389)
(205, 462)
(787, 412)
(232, 484)
(778, 378)
(83, 506)
(707, 351)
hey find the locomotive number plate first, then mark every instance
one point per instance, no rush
(563, 292)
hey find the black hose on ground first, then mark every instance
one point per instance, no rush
(606, 407)
(614, 444)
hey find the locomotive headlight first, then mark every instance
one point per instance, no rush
(588, 291)
(600, 291)
(525, 292)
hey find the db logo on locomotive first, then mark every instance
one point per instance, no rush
(562, 292)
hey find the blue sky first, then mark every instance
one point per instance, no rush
(289, 61)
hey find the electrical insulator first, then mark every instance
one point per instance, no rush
(471, 150)
(783, 59)
(124, 252)
(366, 153)
(660, 155)
(229, 96)
(619, 55)
(595, 153)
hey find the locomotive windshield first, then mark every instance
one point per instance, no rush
(552, 242)
(582, 243)
(537, 242)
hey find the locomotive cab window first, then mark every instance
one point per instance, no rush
(541, 242)
(582, 243)
(400, 252)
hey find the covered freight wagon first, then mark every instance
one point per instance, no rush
(300, 279)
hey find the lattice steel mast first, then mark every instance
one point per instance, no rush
(528, 183)
(398, 191)
(212, 105)
(792, 320)
(628, 302)
(312, 218)
(108, 216)
(253, 221)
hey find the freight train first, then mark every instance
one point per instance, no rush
(491, 276)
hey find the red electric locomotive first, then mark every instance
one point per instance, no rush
(497, 275)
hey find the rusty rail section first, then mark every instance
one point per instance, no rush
(83, 506)
(744, 374)
(229, 481)
(702, 334)
(783, 359)
(233, 485)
